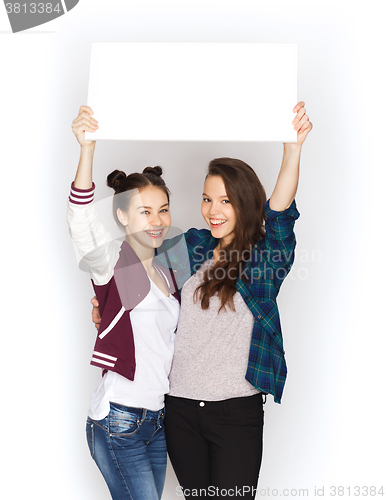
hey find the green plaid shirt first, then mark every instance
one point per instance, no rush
(270, 262)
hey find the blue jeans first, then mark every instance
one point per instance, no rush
(129, 447)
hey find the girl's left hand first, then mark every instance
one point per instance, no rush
(301, 122)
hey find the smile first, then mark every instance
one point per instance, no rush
(155, 233)
(217, 222)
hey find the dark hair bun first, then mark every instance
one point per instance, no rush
(153, 171)
(114, 180)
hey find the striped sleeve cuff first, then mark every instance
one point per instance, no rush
(81, 196)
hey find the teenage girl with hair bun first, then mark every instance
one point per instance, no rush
(139, 304)
(229, 347)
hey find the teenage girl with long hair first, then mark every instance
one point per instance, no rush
(139, 305)
(229, 348)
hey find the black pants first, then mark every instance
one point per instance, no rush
(215, 447)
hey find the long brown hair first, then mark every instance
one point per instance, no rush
(247, 196)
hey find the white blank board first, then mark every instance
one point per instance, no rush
(193, 91)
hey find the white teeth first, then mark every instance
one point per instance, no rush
(217, 221)
(154, 233)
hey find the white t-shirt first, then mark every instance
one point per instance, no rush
(154, 323)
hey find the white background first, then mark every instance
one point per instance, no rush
(329, 429)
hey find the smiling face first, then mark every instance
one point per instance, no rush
(147, 220)
(217, 209)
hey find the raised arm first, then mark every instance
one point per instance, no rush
(287, 181)
(82, 123)
(97, 249)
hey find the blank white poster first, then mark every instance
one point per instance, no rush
(193, 91)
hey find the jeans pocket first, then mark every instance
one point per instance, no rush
(123, 426)
(122, 421)
(90, 437)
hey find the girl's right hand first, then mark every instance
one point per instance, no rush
(96, 317)
(84, 122)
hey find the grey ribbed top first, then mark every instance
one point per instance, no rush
(211, 349)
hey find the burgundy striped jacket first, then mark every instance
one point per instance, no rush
(122, 286)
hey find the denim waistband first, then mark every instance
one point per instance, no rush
(141, 413)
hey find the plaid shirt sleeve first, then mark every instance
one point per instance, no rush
(278, 246)
(267, 369)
